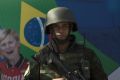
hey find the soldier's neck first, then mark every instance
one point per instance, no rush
(62, 47)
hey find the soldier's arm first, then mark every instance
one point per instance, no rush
(42, 56)
(97, 71)
(38, 60)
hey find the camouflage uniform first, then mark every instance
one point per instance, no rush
(76, 57)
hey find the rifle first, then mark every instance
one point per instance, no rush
(75, 75)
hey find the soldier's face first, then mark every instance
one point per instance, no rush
(9, 47)
(61, 30)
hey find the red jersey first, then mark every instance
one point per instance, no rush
(16, 72)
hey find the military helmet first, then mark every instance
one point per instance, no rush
(59, 14)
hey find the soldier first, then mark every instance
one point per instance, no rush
(63, 58)
(15, 65)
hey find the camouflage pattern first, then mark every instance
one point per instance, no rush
(76, 57)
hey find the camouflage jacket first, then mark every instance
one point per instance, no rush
(76, 57)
